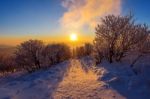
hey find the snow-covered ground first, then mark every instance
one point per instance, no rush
(78, 79)
(38, 85)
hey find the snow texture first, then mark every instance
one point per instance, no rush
(77, 79)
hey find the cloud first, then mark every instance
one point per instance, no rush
(80, 13)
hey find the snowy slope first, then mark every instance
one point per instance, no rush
(77, 79)
(38, 85)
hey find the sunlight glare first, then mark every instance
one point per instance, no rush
(73, 37)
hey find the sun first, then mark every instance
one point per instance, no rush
(73, 37)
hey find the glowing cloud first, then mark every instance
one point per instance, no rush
(80, 13)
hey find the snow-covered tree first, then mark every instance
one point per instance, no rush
(28, 55)
(117, 35)
(84, 50)
(55, 53)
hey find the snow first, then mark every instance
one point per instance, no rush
(78, 79)
(37, 85)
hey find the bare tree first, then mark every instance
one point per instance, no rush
(55, 53)
(84, 50)
(133, 37)
(80, 52)
(142, 48)
(28, 54)
(109, 31)
(98, 51)
(117, 35)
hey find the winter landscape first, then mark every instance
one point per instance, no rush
(74, 49)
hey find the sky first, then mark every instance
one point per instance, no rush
(55, 20)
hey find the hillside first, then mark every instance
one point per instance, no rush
(77, 79)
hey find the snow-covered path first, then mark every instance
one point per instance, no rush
(82, 82)
(78, 83)
(76, 79)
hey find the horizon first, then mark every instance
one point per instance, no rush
(54, 20)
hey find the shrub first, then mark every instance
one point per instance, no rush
(85, 50)
(28, 55)
(80, 52)
(56, 53)
(7, 64)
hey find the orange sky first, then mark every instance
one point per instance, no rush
(46, 39)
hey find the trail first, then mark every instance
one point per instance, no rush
(82, 82)
(74, 79)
